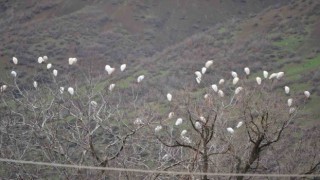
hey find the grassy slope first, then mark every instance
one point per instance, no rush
(257, 42)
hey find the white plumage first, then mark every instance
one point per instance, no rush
(158, 128)
(221, 81)
(49, 66)
(235, 80)
(169, 97)
(140, 78)
(72, 60)
(273, 75)
(206, 96)
(45, 58)
(111, 87)
(35, 84)
(198, 79)
(3, 88)
(290, 102)
(55, 72)
(258, 79)
(170, 115)
(214, 87)
(230, 130)
(40, 60)
(198, 74)
(184, 132)
(265, 74)
(71, 90)
(292, 110)
(239, 124)
(109, 69)
(286, 89)
(247, 70)
(197, 125)
(280, 75)
(238, 90)
(203, 70)
(179, 121)
(123, 67)
(94, 104)
(307, 94)
(220, 92)
(138, 121)
(202, 119)
(13, 73)
(208, 63)
(234, 74)
(15, 60)
(61, 89)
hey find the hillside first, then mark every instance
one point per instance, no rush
(108, 31)
(277, 39)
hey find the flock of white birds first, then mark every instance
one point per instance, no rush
(199, 76)
(235, 80)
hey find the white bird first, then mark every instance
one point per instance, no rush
(3, 88)
(307, 94)
(239, 124)
(49, 66)
(138, 121)
(166, 157)
(292, 110)
(184, 132)
(170, 115)
(40, 60)
(230, 130)
(258, 79)
(197, 125)
(109, 69)
(198, 74)
(290, 102)
(234, 74)
(198, 79)
(72, 60)
(55, 72)
(273, 75)
(169, 97)
(94, 104)
(265, 74)
(71, 90)
(35, 84)
(111, 87)
(202, 119)
(238, 89)
(158, 128)
(45, 58)
(221, 81)
(208, 63)
(140, 78)
(179, 121)
(220, 92)
(203, 70)
(286, 89)
(280, 75)
(123, 67)
(206, 96)
(214, 87)
(15, 60)
(13, 73)
(186, 139)
(61, 89)
(235, 80)
(247, 70)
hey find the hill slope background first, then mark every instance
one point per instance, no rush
(167, 38)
